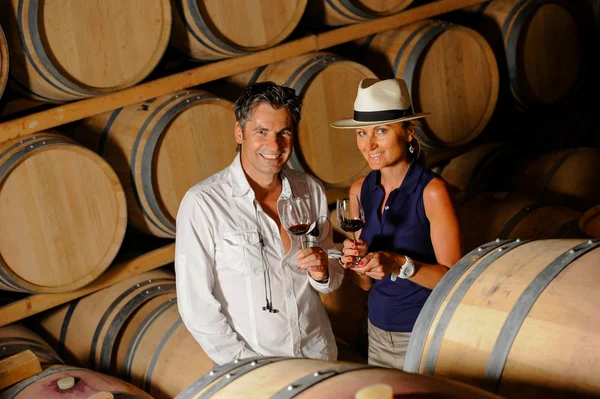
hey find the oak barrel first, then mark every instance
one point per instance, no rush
(4, 62)
(327, 84)
(487, 216)
(589, 222)
(543, 45)
(280, 377)
(486, 167)
(216, 29)
(516, 317)
(71, 49)
(16, 338)
(451, 72)
(131, 329)
(63, 214)
(566, 177)
(160, 149)
(343, 12)
(87, 384)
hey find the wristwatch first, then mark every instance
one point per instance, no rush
(406, 271)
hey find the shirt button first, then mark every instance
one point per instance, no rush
(386, 208)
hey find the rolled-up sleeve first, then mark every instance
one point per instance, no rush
(195, 280)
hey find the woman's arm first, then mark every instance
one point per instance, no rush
(445, 237)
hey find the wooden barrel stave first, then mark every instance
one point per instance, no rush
(565, 177)
(212, 30)
(343, 12)
(160, 150)
(327, 85)
(71, 213)
(88, 384)
(512, 216)
(307, 378)
(4, 62)
(131, 329)
(544, 46)
(525, 304)
(65, 56)
(16, 338)
(590, 222)
(461, 96)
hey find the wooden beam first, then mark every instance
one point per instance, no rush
(18, 367)
(38, 303)
(92, 106)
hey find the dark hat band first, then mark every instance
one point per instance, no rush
(374, 116)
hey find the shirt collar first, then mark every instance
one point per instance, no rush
(409, 184)
(241, 187)
(237, 177)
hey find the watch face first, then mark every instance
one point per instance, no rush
(408, 271)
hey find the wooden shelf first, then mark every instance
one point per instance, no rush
(38, 303)
(74, 111)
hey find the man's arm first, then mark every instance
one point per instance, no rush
(194, 268)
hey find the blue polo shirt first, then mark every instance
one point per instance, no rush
(403, 227)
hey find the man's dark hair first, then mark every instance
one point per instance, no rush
(268, 93)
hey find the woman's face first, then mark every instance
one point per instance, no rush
(383, 145)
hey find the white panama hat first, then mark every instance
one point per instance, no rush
(380, 102)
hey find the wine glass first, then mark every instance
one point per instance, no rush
(350, 217)
(295, 216)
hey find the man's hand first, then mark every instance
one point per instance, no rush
(352, 250)
(377, 265)
(315, 261)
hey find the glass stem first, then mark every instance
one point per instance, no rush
(356, 258)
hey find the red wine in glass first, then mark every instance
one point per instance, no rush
(351, 225)
(295, 216)
(351, 217)
(299, 229)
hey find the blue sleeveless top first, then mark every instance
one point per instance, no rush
(403, 228)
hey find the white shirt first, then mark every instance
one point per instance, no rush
(220, 279)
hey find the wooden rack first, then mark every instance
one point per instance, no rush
(74, 111)
(92, 106)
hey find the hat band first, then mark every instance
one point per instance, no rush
(374, 116)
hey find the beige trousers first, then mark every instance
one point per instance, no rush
(387, 349)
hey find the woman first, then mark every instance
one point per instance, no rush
(411, 235)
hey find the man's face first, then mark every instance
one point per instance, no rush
(266, 141)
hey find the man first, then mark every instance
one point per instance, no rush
(244, 287)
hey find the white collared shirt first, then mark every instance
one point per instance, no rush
(221, 281)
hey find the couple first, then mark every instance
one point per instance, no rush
(246, 289)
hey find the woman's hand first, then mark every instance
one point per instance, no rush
(377, 265)
(352, 250)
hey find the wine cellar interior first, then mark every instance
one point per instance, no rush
(111, 110)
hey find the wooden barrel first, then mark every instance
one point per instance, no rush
(216, 29)
(327, 85)
(589, 222)
(131, 329)
(487, 216)
(518, 318)
(277, 377)
(543, 44)
(567, 177)
(88, 384)
(347, 311)
(343, 12)
(3, 62)
(485, 168)
(68, 50)
(451, 72)
(63, 214)
(16, 338)
(160, 149)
